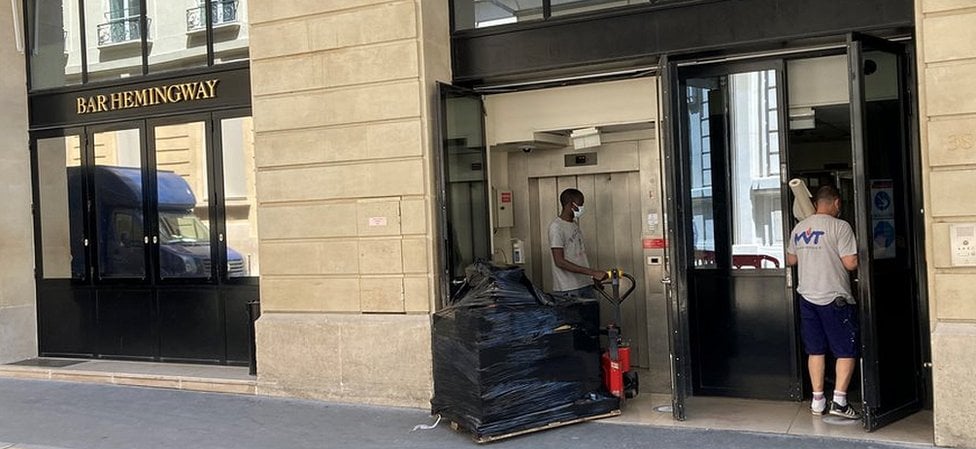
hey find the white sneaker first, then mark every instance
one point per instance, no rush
(818, 407)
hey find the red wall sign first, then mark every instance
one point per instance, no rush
(655, 243)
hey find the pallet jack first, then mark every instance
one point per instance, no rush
(619, 380)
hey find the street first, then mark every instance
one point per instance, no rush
(48, 414)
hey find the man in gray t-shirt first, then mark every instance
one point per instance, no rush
(571, 273)
(824, 249)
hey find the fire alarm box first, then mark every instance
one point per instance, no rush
(504, 213)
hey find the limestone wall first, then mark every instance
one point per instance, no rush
(343, 96)
(18, 323)
(947, 110)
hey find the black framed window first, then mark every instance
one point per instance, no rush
(56, 43)
(471, 14)
(81, 41)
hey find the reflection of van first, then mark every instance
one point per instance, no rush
(184, 241)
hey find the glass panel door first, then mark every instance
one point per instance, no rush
(889, 294)
(757, 213)
(118, 203)
(741, 325)
(464, 180)
(60, 185)
(182, 201)
(240, 199)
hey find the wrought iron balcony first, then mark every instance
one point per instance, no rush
(120, 30)
(222, 12)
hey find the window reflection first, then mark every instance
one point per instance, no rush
(229, 30)
(487, 13)
(61, 212)
(111, 42)
(118, 204)
(55, 56)
(702, 203)
(183, 201)
(566, 7)
(240, 199)
(114, 38)
(466, 176)
(757, 225)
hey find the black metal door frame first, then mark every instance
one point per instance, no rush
(445, 247)
(679, 218)
(878, 410)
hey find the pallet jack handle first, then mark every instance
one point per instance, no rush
(615, 298)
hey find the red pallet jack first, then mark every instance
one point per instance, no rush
(615, 361)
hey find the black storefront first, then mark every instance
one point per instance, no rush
(145, 216)
(733, 332)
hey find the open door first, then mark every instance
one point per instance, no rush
(463, 183)
(675, 259)
(887, 222)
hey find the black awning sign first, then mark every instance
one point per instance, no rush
(149, 96)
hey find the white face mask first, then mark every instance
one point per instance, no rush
(578, 212)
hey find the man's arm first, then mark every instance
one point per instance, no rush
(847, 246)
(791, 259)
(560, 259)
(850, 262)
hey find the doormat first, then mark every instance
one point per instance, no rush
(47, 363)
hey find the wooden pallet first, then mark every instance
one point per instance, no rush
(490, 438)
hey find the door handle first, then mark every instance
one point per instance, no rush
(220, 237)
(155, 239)
(145, 239)
(666, 281)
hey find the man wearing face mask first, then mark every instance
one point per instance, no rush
(571, 272)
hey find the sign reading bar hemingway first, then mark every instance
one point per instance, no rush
(150, 96)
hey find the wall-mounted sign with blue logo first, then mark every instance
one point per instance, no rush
(883, 218)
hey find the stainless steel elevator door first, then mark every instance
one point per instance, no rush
(611, 229)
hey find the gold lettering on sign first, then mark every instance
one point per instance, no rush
(150, 96)
(140, 97)
(117, 100)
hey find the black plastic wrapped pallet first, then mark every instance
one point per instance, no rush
(508, 357)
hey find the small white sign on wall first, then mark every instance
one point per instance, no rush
(962, 239)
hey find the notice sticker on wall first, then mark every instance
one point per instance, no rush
(962, 239)
(377, 221)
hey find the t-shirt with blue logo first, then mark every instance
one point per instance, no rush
(819, 242)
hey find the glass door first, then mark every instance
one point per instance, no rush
(463, 183)
(182, 240)
(119, 207)
(729, 203)
(887, 229)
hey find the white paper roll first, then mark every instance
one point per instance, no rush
(802, 207)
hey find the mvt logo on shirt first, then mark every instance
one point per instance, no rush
(808, 236)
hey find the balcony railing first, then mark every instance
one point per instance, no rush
(120, 30)
(223, 12)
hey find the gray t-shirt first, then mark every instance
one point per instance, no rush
(819, 242)
(568, 236)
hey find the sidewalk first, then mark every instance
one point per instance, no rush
(49, 414)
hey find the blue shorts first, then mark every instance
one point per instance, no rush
(829, 327)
